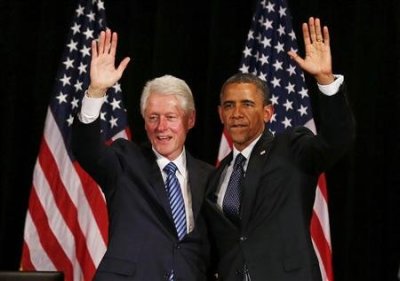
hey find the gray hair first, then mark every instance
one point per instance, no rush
(168, 85)
(251, 79)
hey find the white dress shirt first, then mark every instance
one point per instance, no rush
(183, 178)
(226, 175)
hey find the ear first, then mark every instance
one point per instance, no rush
(191, 119)
(268, 112)
(220, 114)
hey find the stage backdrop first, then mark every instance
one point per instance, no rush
(201, 42)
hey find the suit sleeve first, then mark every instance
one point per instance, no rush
(335, 134)
(92, 154)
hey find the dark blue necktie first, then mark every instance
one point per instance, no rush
(231, 202)
(177, 204)
(176, 199)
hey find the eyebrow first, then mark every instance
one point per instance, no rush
(241, 101)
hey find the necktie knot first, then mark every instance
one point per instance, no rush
(170, 168)
(239, 161)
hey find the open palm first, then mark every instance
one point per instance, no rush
(317, 60)
(103, 73)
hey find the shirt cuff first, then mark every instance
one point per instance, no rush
(90, 109)
(333, 87)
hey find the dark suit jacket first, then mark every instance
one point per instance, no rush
(278, 192)
(143, 243)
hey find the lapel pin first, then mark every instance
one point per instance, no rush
(262, 152)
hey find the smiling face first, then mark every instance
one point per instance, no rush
(167, 124)
(243, 113)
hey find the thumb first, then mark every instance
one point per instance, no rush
(294, 56)
(122, 66)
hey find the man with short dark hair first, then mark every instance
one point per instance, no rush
(259, 202)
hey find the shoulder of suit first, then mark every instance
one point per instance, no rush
(125, 146)
(293, 136)
(207, 166)
(294, 131)
(200, 164)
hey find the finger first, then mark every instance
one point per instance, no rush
(107, 43)
(294, 56)
(306, 34)
(114, 41)
(94, 49)
(100, 43)
(122, 66)
(311, 27)
(318, 33)
(326, 36)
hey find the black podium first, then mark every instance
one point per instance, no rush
(31, 276)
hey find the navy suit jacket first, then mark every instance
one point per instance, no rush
(143, 243)
(273, 238)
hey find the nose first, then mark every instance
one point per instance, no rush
(162, 124)
(237, 112)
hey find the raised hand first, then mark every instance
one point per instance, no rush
(318, 60)
(103, 73)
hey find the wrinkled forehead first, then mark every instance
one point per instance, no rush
(165, 105)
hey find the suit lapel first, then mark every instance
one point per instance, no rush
(157, 182)
(254, 169)
(158, 185)
(215, 181)
(197, 184)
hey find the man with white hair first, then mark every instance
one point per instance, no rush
(154, 193)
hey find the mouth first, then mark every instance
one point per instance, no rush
(238, 126)
(163, 138)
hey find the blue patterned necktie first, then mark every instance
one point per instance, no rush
(231, 202)
(175, 199)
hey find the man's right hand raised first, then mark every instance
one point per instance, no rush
(103, 73)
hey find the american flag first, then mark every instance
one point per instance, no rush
(270, 37)
(66, 227)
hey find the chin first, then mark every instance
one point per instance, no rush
(237, 138)
(162, 150)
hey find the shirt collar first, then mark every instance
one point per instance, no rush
(247, 151)
(179, 161)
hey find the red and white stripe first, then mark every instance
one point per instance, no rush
(67, 223)
(320, 226)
